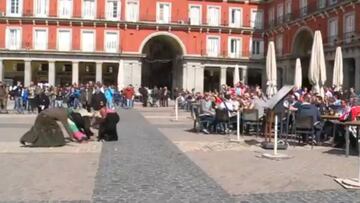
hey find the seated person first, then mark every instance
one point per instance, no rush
(308, 109)
(206, 112)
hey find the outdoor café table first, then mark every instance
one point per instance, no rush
(334, 119)
(330, 117)
(347, 134)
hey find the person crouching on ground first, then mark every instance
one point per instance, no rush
(107, 127)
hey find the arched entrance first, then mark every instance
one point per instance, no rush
(162, 65)
(301, 49)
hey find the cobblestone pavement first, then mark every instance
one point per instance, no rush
(327, 196)
(146, 167)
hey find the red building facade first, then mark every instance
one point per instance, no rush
(186, 44)
(291, 25)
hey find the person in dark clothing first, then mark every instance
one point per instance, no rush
(97, 98)
(43, 101)
(82, 122)
(108, 122)
(307, 109)
(145, 95)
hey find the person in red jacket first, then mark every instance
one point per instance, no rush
(129, 95)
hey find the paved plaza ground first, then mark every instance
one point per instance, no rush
(158, 159)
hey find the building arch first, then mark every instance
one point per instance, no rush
(162, 33)
(163, 61)
(302, 41)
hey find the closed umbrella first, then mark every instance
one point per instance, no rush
(271, 70)
(236, 75)
(338, 75)
(317, 69)
(298, 74)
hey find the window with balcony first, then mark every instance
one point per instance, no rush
(14, 7)
(257, 18)
(64, 40)
(321, 4)
(349, 27)
(213, 46)
(279, 45)
(256, 47)
(332, 31)
(40, 39)
(13, 38)
(41, 8)
(65, 8)
(303, 7)
(280, 13)
(213, 15)
(271, 16)
(234, 47)
(195, 14)
(235, 17)
(89, 9)
(132, 10)
(113, 9)
(288, 10)
(332, 2)
(163, 12)
(88, 41)
(111, 42)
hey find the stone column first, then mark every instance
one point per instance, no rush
(199, 78)
(51, 73)
(75, 72)
(357, 74)
(222, 75)
(120, 77)
(98, 72)
(184, 77)
(136, 75)
(27, 73)
(1, 70)
(244, 78)
(190, 76)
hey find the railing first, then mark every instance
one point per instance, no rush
(288, 17)
(279, 20)
(303, 11)
(349, 37)
(226, 54)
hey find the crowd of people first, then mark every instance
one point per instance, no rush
(300, 102)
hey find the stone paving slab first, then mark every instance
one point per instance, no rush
(28, 177)
(145, 167)
(16, 147)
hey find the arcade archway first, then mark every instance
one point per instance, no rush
(302, 49)
(162, 65)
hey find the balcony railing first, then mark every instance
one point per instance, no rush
(303, 11)
(288, 17)
(349, 37)
(279, 20)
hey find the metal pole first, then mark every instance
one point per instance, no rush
(238, 125)
(359, 159)
(275, 135)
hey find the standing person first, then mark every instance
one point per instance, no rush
(129, 94)
(155, 95)
(32, 102)
(109, 95)
(166, 94)
(25, 98)
(161, 97)
(97, 98)
(16, 91)
(144, 94)
(59, 98)
(43, 101)
(3, 96)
